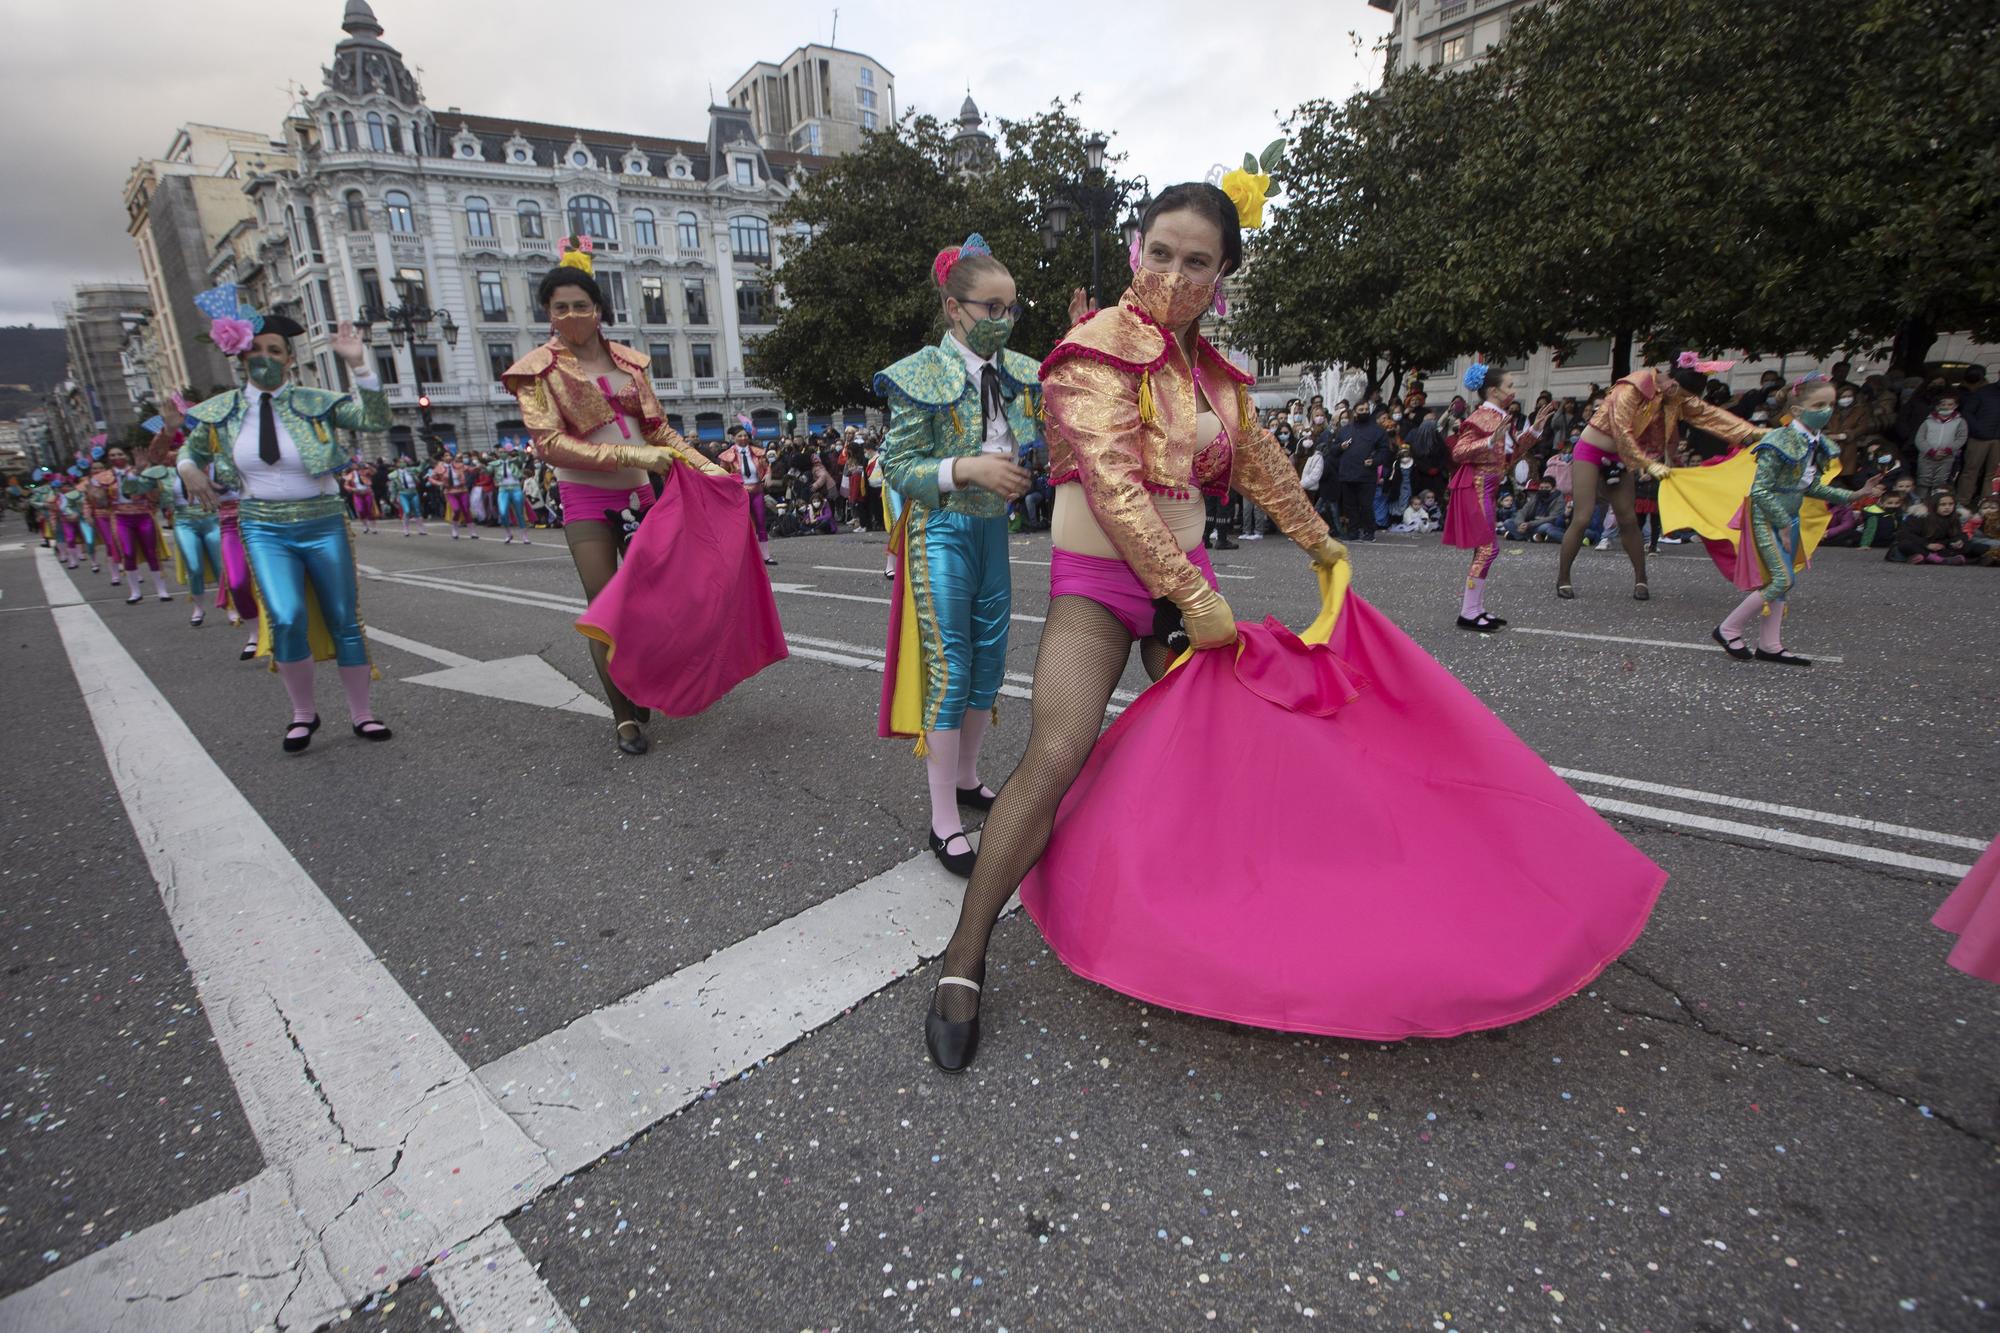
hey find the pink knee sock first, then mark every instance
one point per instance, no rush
(942, 770)
(298, 678)
(1736, 625)
(971, 735)
(1770, 635)
(354, 679)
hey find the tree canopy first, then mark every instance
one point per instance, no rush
(1702, 172)
(857, 291)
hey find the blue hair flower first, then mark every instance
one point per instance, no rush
(1475, 377)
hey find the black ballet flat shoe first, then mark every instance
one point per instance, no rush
(976, 797)
(958, 863)
(1566, 592)
(294, 744)
(1741, 652)
(1491, 619)
(381, 731)
(1783, 658)
(249, 651)
(951, 1045)
(1640, 593)
(1481, 625)
(634, 743)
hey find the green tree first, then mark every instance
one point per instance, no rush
(858, 293)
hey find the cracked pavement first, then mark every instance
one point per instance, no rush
(1780, 1110)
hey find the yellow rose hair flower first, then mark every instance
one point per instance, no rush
(1255, 181)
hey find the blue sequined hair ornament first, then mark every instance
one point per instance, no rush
(1475, 377)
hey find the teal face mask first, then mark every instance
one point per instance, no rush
(1814, 418)
(988, 336)
(266, 372)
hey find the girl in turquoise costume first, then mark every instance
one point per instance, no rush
(278, 445)
(960, 413)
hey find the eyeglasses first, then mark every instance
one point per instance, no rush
(994, 310)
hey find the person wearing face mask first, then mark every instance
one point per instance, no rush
(684, 613)
(129, 502)
(961, 413)
(1759, 540)
(279, 446)
(1939, 444)
(1143, 416)
(1853, 428)
(1483, 450)
(1633, 431)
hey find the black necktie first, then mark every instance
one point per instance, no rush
(992, 403)
(267, 430)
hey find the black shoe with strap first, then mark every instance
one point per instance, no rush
(977, 797)
(1783, 658)
(952, 1046)
(1480, 624)
(1740, 651)
(958, 863)
(373, 729)
(632, 741)
(294, 744)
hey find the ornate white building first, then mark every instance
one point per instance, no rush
(392, 204)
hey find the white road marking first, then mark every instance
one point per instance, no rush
(442, 656)
(1648, 643)
(859, 655)
(383, 1146)
(490, 1286)
(1776, 811)
(811, 590)
(522, 679)
(1781, 837)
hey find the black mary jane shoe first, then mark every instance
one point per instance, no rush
(958, 863)
(1783, 658)
(1491, 619)
(976, 798)
(294, 744)
(249, 651)
(951, 1045)
(1641, 593)
(1741, 652)
(1481, 625)
(381, 730)
(635, 741)
(1566, 592)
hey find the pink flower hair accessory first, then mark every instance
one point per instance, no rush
(232, 337)
(1689, 361)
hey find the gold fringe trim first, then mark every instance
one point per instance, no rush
(1146, 396)
(923, 747)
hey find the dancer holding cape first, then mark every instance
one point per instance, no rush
(1163, 863)
(685, 613)
(960, 413)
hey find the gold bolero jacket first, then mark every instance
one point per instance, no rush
(1119, 409)
(561, 407)
(1644, 421)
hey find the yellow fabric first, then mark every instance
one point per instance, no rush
(1708, 500)
(318, 637)
(906, 703)
(173, 552)
(1333, 585)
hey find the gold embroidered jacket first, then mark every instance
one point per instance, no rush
(1119, 406)
(1643, 421)
(561, 406)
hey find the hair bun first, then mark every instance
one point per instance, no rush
(941, 266)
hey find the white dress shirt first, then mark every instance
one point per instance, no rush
(286, 479)
(999, 435)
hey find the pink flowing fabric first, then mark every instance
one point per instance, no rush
(1738, 560)
(1973, 914)
(689, 615)
(1341, 840)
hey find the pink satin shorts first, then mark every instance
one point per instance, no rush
(1113, 585)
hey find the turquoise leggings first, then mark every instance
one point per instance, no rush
(200, 537)
(287, 556)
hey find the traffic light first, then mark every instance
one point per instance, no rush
(790, 417)
(424, 401)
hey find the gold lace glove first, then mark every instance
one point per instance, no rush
(1210, 623)
(1328, 553)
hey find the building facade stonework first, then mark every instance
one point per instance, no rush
(390, 202)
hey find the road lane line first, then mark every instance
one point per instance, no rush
(860, 655)
(490, 1286)
(1781, 837)
(388, 1149)
(1849, 823)
(442, 656)
(1648, 643)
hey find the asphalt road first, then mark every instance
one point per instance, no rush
(1781, 1110)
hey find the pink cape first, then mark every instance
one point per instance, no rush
(1973, 914)
(1340, 840)
(689, 615)
(1468, 518)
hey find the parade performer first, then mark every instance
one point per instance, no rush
(455, 480)
(76, 507)
(198, 544)
(1750, 508)
(1142, 414)
(752, 464)
(359, 482)
(278, 445)
(1483, 449)
(960, 412)
(406, 484)
(681, 622)
(68, 505)
(1635, 430)
(100, 489)
(1972, 913)
(508, 471)
(132, 499)
(42, 507)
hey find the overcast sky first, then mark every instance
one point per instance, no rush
(88, 87)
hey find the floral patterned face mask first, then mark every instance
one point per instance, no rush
(1174, 300)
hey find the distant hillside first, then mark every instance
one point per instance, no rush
(38, 358)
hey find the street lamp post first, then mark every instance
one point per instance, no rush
(410, 321)
(1094, 201)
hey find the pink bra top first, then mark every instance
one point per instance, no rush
(624, 402)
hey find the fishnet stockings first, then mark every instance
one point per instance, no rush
(1083, 653)
(1585, 480)
(594, 548)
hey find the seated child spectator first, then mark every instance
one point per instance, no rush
(1937, 538)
